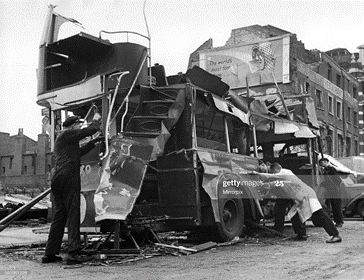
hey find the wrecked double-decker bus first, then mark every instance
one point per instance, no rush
(180, 152)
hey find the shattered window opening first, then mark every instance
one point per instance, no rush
(209, 126)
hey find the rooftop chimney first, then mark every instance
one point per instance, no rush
(361, 54)
(19, 150)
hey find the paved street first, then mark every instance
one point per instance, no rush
(253, 258)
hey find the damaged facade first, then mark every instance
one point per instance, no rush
(353, 64)
(318, 81)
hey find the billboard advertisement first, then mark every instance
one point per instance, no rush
(258, 63)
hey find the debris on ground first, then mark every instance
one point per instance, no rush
(101, 247)
(30, 252)
(72, 266)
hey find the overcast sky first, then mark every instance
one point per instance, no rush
(177, 28)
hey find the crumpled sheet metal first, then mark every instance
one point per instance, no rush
(125, 167)
(226, 176)
(122, 177)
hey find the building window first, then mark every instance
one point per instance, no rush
(329, 73)
(355, 93)
(11, 163)
(338, 110)
(348, 117)
(331, 105)
(355, 117)
(348, 81)
(319, 99)
(329, 141)
(307, 88)
(3, 169)
(210, 128)
(340, 146)
(348, 146)
(25, 169)
(238, 136)
(338, 80)
(356, 148)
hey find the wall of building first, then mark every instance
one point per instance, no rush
(29, 164)
(340, 132)
(361, 126)
(26, 169)
(6, 165)
(341, 56)
(348, 82)
(6, 143)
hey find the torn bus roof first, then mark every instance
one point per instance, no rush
(83, 46)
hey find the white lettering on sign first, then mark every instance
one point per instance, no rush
(88, 169)
(85, 170)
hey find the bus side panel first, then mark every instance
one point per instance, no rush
(179, 195)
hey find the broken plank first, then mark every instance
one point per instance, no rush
(112, 251)
(231, 242)
(176, 247)
(204, 246)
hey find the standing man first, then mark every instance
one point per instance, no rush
(66, 189)
(332, 182)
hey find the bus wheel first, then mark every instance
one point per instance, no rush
(360, 208)
(231, 213)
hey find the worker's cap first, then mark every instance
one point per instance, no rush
(71, 120)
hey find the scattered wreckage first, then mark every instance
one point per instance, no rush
(180, 152)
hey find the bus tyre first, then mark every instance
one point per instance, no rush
(231, 223)
(360, 208)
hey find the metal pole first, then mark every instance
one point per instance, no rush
(343, 114)
(255, 142)
(4, 223)
(227, 136)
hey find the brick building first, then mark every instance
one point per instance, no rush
(353, 64)
(268, 60)
(24, 163)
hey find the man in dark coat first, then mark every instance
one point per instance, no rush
(332, 182)
(66, 188)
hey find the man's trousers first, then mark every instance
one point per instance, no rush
(66, 191)
(337, 210)
(280, 207)
(319, 219)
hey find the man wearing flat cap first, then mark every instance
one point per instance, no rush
(66, 188)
